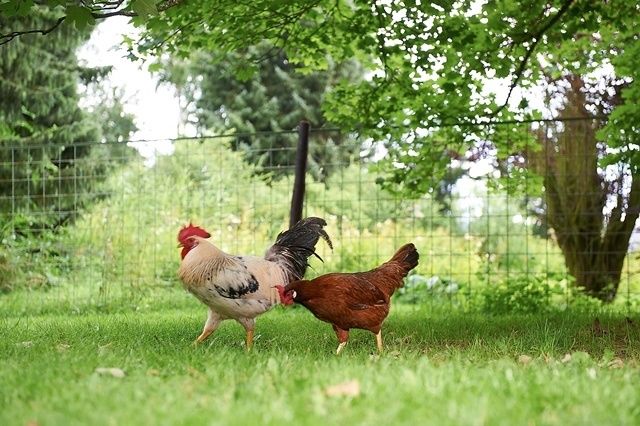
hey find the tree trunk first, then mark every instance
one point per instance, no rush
(599, 272)
(594, 244)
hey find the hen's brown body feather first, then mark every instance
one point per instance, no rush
(355, 300)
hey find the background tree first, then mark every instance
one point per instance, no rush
(270, 102)
(593, 210)
(42, 124)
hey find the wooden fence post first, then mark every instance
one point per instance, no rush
(297, 199)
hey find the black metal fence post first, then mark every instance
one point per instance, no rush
(297, 199)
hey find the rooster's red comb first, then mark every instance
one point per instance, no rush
(191, 230)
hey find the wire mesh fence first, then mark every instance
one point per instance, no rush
(95, 224)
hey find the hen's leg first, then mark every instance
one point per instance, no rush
(249, 324)
(213, 321)
(343, 337)
(379, 340)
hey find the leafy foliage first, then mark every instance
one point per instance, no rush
(430, 61)
(523, 295)
(270, 101)
(421, 290)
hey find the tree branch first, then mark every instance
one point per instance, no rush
(108, 5)
(535, 39)
(6, 38)
(121, 12)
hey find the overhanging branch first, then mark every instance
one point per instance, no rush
(535, 39)
(107, 12)
(6, 38)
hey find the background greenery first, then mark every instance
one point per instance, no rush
(120, 252)
(410, 76)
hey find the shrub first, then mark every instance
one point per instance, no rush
(420, 289)
(522, 295)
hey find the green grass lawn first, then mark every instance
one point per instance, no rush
(438, 368)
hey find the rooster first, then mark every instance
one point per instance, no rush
(243, 287)
(357, 300)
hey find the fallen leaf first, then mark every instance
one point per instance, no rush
(350, 388)
(524, 359)
(32, 423)
(115, 372)
(566, 358)
(616, 363)
(26, 344)
(153, 372)
(62, 347)
(591, 372)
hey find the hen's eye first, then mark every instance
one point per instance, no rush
(294, 294)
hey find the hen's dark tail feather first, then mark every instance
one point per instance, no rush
(293, 247)
(407, 257)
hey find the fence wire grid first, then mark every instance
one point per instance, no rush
(96, 223)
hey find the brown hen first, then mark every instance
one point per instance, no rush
(353, 300)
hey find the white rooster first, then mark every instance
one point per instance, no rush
(243, 287)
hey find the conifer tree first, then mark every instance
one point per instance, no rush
(51, 155)
(270, 101)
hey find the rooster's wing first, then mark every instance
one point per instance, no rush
(235, 281)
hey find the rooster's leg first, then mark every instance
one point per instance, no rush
(213, 320)
(249, 325)
(343, 337)
(249, 341)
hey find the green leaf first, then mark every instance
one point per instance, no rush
(448, 86)
(154, 67)
(24, 7)
(16, 8)
(144, 7)
(79, 16)
(524, 103)
(244, 73)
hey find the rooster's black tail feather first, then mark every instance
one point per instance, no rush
(293, 247)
